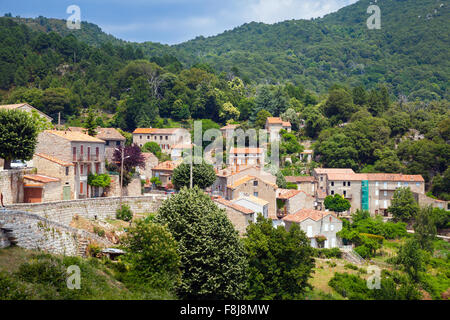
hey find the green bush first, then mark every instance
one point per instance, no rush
(350, 266)
(363, 251)
(328, 253)
(124, 213)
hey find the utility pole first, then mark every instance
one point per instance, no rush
(191, 176)
(121, 177)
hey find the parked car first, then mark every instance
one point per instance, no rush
(17, 164)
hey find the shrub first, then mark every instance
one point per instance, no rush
(363, 251)
(328, 253)
(98, 231)
(124, 213)
(291, 185)
(350, 266)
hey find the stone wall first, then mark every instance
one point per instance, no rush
(34, 232)
(11, 185)
(100, 208)
(133, 189)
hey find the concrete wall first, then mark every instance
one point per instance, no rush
(102, 208)
(34, 232)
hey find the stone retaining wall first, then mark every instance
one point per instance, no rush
(31, 231)
(100, 208)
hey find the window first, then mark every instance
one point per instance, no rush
(140, 137)
(325, 227)
(377, 202)
(343, 183)
(418, 184)
(67, 171)
(348, 183)
(81, 150)
(376, 184)
(97, 168)
(81, 187)
(376, 192)
(385, 193)
(117, 143)
(255, 183)
(399, 184)
(97, 152)
(167, 137)
(74, 152)
(331, 227)
(345, 193)
(160, 137)
(148, 137)
(332, 183)
(332, 192)
(89, 153)
(321, 178)
(385, 184)
(406, 183)
(81, 169)
(107, 143)
(255, 194)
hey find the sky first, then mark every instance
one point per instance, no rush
(173, 21)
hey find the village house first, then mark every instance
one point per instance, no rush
(304, 183)
(112, 137)
(253, 186)
(166, 138)
(40, 188)
(274, 125)
(246, 156)
(228, 176)
(86, 153)
(257, 205)
(306, 155)
(239, 216)
(27, 108)
(179, 150)
(320, 226)
(151, 161)
(164, 172)
(228, 131)
(62, 170)
(291, 201)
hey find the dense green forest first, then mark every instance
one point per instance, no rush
(390, 116)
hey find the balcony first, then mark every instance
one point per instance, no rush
(281, 213)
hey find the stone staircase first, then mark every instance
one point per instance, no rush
(82, 247)
(352, 256)
(7, 237)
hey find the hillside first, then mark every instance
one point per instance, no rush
(409, 52)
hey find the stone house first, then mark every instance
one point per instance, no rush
(306, 155)
(151, 161)
(291, 201)
(40, 188)
(178, 151)
(246, 156)
(228, 131)
(112, 137)
(257, 205)
(62, 170)
(166, 138)
(320, 174)
(317, 225)
(164, 172)
(85, 152)
(274, 125)
(304, 183)
(372, 191)
(231, 174)
(239, 216)
(253, 186)
(27, 108)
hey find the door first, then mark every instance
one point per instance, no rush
(333, 242)
(66, 193)
(32, 195)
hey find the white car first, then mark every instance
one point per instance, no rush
(17, 164)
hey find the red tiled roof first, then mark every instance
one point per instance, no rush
(74, 136)
(230, 127)
(233, 206)
(155, 130)
(53, 159)
(304, 214)
(333, 170)
(375, 177)
(289, 193)
(167, 165)
(40, 178)
(246, 150)
(294, 179)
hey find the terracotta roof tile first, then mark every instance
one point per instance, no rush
(304, 214)
(40, 178)
(74, 136)
(294, 179)
(233, 206)
(53, 159)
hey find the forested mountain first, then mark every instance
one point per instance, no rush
(408, 53)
